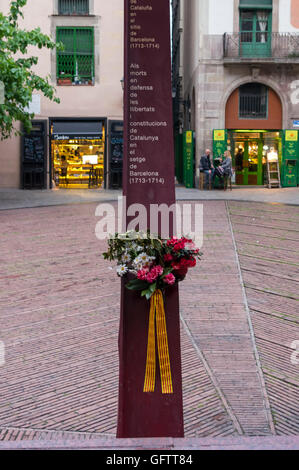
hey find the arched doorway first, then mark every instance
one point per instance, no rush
(253, 118)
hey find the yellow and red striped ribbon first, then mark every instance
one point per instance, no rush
(157, 319)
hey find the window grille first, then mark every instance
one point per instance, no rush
(253, 101)
(73, 7)
(76, 61)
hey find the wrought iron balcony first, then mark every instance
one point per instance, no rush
(253, 46)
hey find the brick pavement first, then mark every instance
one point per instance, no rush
(267, 238)
(214, 311)
(59, 313)
(59, 305)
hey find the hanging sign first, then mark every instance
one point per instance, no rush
(291, 144)
(219, 142)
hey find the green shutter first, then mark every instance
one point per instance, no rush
(77, 59)
(256, 4)
(73, 7)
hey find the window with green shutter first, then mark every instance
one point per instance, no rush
(255, 28)
(75, 63)
(73, 7)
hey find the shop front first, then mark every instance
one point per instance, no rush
(254, 135)
(250, 150)
(78, 153)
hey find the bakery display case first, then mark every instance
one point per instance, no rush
(78, 163)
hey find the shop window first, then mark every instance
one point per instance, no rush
(75, 64)
(253, 101)
(78, 149)
(73, 7)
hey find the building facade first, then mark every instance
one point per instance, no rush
(236, 82)
(77, 143)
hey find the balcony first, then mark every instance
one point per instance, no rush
(260, 47)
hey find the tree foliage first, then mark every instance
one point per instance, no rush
(16, 73)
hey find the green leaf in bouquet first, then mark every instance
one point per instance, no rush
(136, 284)
(149, 292)
(166, 272)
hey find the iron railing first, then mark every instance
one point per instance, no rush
(258, 45)
(73, 7)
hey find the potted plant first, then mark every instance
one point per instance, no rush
(64, 80)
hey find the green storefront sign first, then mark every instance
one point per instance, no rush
(188, 159)
(290, 170)
(219, 142)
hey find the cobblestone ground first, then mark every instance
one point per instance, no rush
(267, 238)
(59, 310)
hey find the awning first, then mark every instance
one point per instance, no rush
(66, 130)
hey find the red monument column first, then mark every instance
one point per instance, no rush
(148, 178)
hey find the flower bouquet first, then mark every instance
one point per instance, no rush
(151, 265)
(153, 262)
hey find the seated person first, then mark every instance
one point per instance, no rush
(225, 167)
(227, 164)
(206, 167)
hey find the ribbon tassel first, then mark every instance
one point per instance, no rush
(157, 319)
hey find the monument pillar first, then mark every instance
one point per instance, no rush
(148, 178)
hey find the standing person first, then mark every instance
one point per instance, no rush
(63, 171)
(206, 166)
(239, 159)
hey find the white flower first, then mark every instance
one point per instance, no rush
(137, 260)
(139, 248)
(144, 258)
(121, 269)
(139, 266)
(126, 258)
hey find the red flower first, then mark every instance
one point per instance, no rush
(169, 279)
(142, 274)
(172, 241)
(154, 273)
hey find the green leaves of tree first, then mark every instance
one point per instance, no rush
(20, 81)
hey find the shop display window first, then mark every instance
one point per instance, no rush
(78, 163)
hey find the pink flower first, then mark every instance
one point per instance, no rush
(169, 279)
(168, 257)
(142, 274)
(158, 270)
(154, 273)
